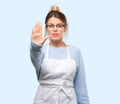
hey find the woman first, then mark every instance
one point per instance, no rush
(59, 67)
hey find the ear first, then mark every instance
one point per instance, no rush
(46, 31)
(65, 30)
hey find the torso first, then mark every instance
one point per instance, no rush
(56, 80)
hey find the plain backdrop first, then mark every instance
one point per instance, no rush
(94, 27)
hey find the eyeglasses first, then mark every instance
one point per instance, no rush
(58, 26)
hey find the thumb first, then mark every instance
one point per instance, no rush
(45, 38)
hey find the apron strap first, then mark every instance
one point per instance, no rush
(68, 52)
(47, 51)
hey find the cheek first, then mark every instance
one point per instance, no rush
(49, 32)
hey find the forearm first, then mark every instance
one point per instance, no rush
(36, 56)
(81, 90)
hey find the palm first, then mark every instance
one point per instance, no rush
(37, 35)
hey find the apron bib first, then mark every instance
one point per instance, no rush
(56, 81)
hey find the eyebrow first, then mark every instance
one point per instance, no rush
(56, 24)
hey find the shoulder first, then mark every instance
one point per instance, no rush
(75, 53)
(74, 50)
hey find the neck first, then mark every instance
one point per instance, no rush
(58, 43)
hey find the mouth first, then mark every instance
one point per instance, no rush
(55, 34)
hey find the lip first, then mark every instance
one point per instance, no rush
(55, 34)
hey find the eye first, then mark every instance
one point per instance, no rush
(50, 26)
(60, 25)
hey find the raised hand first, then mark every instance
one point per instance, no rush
(37, 35)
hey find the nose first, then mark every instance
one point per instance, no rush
(54, 28)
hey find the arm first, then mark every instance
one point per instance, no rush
(37, 42)
(36, 56)
(80, 81)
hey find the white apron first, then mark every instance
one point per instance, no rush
(56, 81)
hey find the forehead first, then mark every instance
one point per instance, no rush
(54, 20)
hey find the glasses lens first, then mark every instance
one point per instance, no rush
(52, 26)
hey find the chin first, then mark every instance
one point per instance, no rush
(55, 39)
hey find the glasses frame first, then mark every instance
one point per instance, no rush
(52, 26)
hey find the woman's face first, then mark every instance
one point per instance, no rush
(55, 29)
